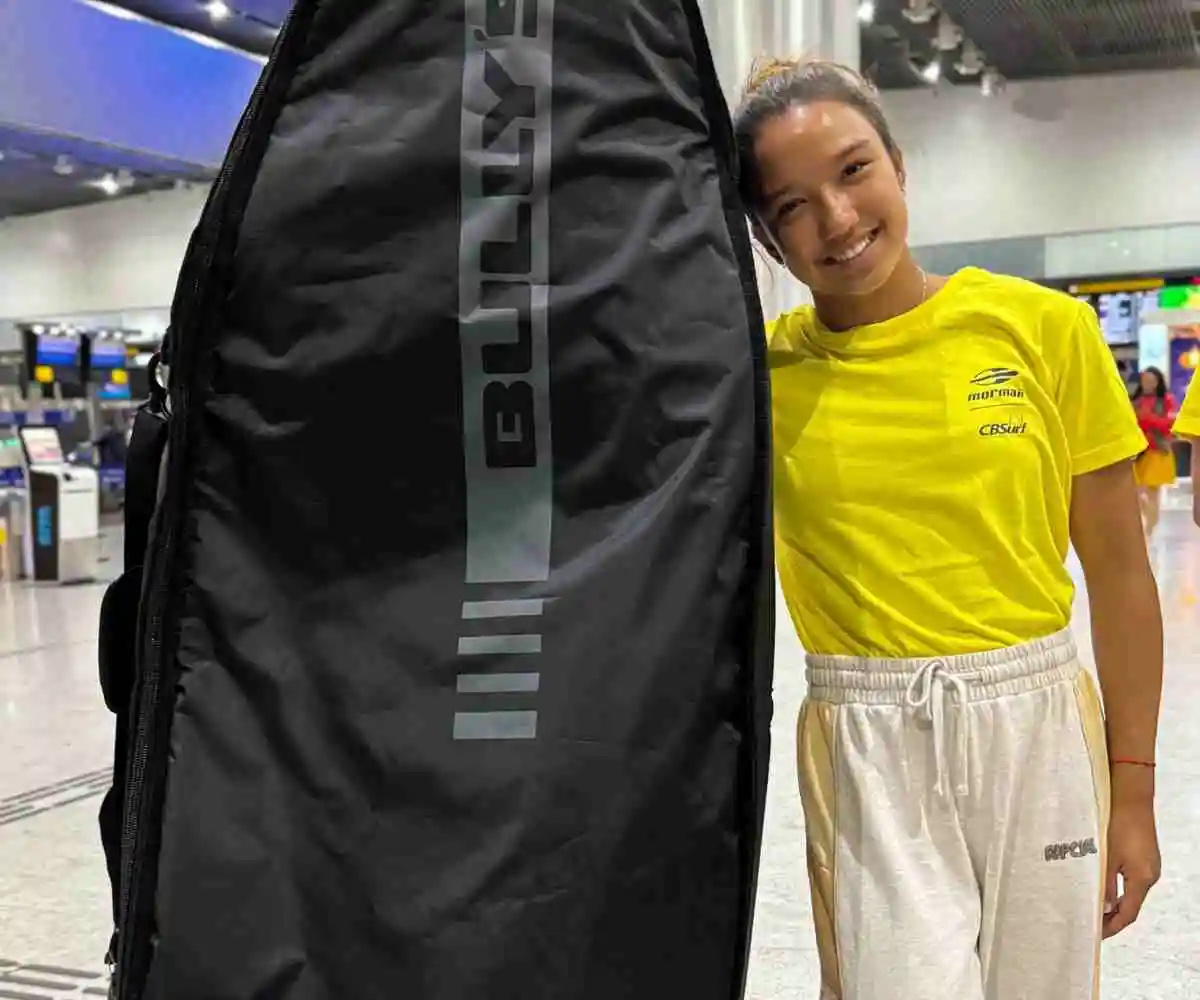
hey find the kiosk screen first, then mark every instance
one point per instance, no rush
(42, 445)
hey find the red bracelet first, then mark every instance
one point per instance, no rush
(1134, 763)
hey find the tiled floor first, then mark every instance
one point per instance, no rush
(55, 743)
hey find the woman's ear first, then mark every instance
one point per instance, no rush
(898, 163)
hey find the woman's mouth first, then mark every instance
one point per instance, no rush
(852, 253)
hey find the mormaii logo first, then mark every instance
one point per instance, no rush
(995, 376)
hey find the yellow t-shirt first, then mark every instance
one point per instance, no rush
(1187, 422)
(923, 467)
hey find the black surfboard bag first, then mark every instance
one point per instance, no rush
(453, 628)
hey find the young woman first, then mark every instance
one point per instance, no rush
(939, 443)
(1155, 467)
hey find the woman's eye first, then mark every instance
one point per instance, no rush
(790, 207)
(856, 168)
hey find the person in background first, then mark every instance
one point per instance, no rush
(1187, 425)
(1155, 467)
(939, 442)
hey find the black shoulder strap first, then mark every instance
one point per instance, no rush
(142, 465)
(119, 610)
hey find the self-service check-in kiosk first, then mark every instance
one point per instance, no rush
(62, 533)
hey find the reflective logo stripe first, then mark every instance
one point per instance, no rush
(503, 289)
(504, 275)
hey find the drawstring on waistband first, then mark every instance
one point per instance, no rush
(941, 690)
(927, 697)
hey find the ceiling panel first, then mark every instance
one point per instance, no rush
(250, 24)
(41, 173)
(1029, 39)
(29, 184)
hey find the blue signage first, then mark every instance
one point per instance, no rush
(45, 527)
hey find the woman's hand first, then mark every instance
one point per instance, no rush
(1132, 846)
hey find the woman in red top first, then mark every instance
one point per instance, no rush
(1155, 467)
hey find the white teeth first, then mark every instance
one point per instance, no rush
(854, 251)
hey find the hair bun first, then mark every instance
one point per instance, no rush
(768, 69)
(768, 72)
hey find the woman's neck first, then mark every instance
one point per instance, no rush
(906, 288)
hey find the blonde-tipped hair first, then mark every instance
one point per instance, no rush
(771, 71)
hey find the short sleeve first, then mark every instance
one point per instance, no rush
(1093, 401)
(1187, 423)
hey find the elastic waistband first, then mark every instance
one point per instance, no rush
(999, 672)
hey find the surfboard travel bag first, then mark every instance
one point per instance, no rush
(442, 661)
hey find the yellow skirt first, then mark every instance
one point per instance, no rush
(1155, 468)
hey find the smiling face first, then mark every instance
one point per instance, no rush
(832, 198)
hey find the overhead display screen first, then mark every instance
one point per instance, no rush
(57, 351)
(55, 356)
(107, 354)
(1120, 313)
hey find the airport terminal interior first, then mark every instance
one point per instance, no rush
(1054, 140)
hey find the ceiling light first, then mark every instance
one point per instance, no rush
(920, 11)
(866, 11)
(949, 35)
(971, 63)
(108, 184)
(64, 166)
(218, 10)
(933, 72)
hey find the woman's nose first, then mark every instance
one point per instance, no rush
(840, 216)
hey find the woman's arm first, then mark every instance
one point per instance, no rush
(1188, 422)
(1196, 482)
(1126, 619)
(1127, 638)
(1161, 422)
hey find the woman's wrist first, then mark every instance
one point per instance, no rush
(1131, 782)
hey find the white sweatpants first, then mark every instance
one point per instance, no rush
(956, 811)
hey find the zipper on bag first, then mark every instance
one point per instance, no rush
(198, 294)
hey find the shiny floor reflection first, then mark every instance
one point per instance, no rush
(56, 735)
